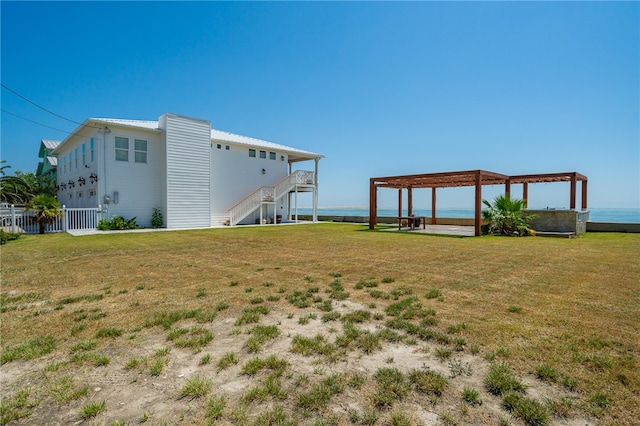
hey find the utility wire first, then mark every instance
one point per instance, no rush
(43, 108)
(43, 125)
(31, 121)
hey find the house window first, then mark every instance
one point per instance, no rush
(141, 151)
(219, 146)
(272, 156)
(282, 158)
(75, 152)
(92, 193)
(91, 147)
(64, 164)
(122, 149)
(79, 194)
(84, 154)
(252, 152)
(263, 154)
(69, 161)
(227, 147)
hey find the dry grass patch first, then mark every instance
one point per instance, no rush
(562, 310)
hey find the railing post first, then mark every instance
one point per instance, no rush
(64, 218)
(13, 218)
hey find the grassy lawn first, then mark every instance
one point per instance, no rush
(93, 312)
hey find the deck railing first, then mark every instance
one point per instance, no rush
(16, 220)
(265, 194)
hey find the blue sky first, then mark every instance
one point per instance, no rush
(379, 88)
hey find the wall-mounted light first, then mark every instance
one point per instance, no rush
(264, 171)
(72, 184)
(93, 177)
(81, 181)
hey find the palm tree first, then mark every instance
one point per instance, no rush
(506, 216)
(17, 189)
(45, 208)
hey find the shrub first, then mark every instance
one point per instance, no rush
(117, 223)
(8, 236)
(156, 218)
(506, 216)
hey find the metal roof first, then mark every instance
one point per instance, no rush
(295, 154)
(50, 144)
(52, 160)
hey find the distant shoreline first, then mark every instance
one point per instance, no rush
(616, 215)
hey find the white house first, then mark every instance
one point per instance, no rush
(197, 176)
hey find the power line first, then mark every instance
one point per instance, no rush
(43, 108)
(31, 121)
(44, 125)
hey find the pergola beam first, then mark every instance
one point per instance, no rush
(476, 178)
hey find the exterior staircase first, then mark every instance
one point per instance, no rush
(303, 180)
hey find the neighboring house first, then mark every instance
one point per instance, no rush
(48, 162)
(197, 176)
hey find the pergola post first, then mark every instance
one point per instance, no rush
(525, 194)
(478, 202)
(572, 200)
(584, 194)
(507, 189)
(409, 201)
(433, 206)
(373, 202)
(400, 201)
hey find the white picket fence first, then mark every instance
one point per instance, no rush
(15, 219)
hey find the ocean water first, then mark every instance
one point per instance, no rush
(595, 214)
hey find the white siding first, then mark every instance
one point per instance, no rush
(79, 194)
(188, 150)
(138, 185)
(234, 174)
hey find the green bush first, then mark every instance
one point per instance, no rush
(117, 223)
(506, 216)
(8, 236)
(156, 218)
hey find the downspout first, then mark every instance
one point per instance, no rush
(105, 132)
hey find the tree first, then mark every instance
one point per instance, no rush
(22, 187)
(506, 216)
(14, 189)
(45, 208)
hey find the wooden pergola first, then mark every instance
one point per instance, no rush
(476, 178)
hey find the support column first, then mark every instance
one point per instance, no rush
(507, 189)
(478, 202)
(373, 204)
(315, 193)
(409, 201)
(399, 201)
(525, 194)
(433, 206)
(572, 199)
(584, 194)
(296, 209)
(13, 218)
